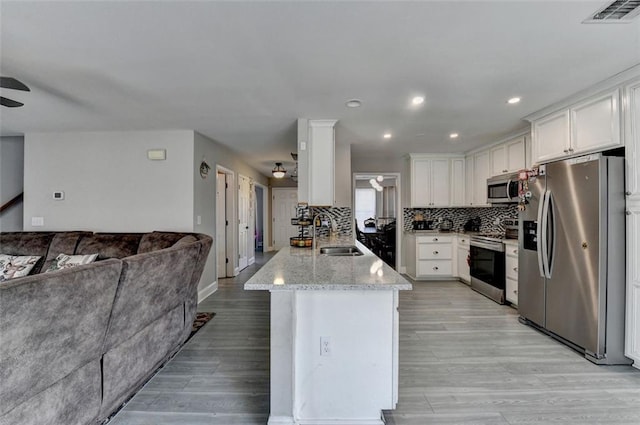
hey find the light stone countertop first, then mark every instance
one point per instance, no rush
(304, 269)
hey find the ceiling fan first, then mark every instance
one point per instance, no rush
(11, 83)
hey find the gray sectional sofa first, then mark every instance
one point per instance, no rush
(76, 343)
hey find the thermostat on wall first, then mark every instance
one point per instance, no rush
(58, 196)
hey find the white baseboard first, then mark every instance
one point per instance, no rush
(269, 249)
(402, 270)
(252, 260)
(281, 420)
(207, 290)
(373, 421)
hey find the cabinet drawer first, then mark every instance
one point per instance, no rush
(511, 250)
(463, 241)
(434, 239)
(433, 268)
(434, 251)
(511, 264)
(511, 291)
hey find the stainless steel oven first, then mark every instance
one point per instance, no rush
(487, 267)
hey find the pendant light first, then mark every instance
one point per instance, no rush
(279, 171)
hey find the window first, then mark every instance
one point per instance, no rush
(365, 205)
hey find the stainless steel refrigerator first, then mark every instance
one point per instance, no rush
(571, 265)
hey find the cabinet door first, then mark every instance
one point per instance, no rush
(551, 137)
(515, 151)
(457, 182)
(321, 162)
(511, 290)
(463, 266)
(632, 142)
(482, 171)
(498, 160)
(440, 183)
(595, 124)
(469, 180)
(420, 182)
(632, 340)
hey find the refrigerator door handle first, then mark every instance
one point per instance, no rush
(539, 233)
(544, 230)
(552, 243)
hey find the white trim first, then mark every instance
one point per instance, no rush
(265, 215)
(232, 216)
(252, 260)
(512, 136)
(593, 90)
(281, 420)
(402, 270)
(371, 421)
(207, 290)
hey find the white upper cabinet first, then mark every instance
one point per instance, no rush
(632, 139)
(508, 157)
(469, 178)
(457, 182)
(589, 126)
(316, 166)
(551, 137)
(436, 181)
(499, 160)
(481, 172)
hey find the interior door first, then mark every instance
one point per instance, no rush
(221, 225)
(283, 209)
(243, 222)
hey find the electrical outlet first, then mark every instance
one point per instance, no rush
(325, 346)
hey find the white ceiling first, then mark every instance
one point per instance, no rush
(241, 73)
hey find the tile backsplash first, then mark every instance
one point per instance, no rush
(340, 215)
(488, 216)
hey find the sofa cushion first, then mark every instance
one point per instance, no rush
(64, 261)
(27, 243)
(12, 266)
(109, 245)
(50, 325)
(62, 242)
(156, 241)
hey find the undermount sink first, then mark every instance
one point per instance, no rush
(348, 250)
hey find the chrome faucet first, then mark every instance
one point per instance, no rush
(318, 218)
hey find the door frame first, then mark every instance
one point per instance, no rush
(232, 216)
(265, 214)
(400, 267)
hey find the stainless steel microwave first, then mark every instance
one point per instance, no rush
(502, 189)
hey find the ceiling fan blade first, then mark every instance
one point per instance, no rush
(12, 83)
(9, 103)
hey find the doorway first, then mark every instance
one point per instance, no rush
(283, 208)
(261, 217)
(225, 239)
(378, 214)
(245, 222)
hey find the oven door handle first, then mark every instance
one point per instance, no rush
(487, 245)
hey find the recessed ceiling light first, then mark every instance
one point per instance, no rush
(453, 135)
(353, 103)
(418, 100)
(513, 100)
(387, 135)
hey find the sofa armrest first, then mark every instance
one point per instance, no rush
(52, 324)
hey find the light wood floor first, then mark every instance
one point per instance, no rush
(463, 360)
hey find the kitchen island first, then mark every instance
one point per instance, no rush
(334, 335)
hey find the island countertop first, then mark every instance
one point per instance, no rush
(295, 268)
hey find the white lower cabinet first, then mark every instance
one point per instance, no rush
(511, 273)
(463, 271)
(632, 346)
(429, 257)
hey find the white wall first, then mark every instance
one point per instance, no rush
(11, 181)
(109, 183)
(204, 201)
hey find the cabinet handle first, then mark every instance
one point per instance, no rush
(628, 193)
(515, 269)
(570, 149)
(515, 251)
(435, 268)
(435, 239)
(566, 151)
(504, 171)
(463, 240)
(628, 212)
(435, 252)
(515, 291)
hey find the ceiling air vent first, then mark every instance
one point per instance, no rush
(619, 11)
